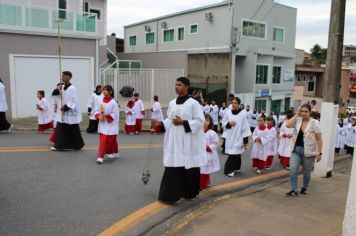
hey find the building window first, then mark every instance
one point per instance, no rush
(261, 74)
(277, 75)
(311, 84)
(254, 29)
(260, 105)
(278, 35)
(62, 9)
(150, 38)
(97, 12)
(180, 33)
(132, 40)
(194, 29)
(168, 35)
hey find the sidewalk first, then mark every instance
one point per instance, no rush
(264, 210)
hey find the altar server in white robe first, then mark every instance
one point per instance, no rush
(340, 134)
(130, 118)
(212, 142)
(286, 146)
(44, 117)
(214, 113)
(237, 132)
(222, 112)
(107, 114)
(206, 107)
(254, 118)
(4, 124)
(259, 151)
(92, 105)
(156, 114)
(350, 136)
(184, 146)
(139, 109)
(68, 135)
(272, 143)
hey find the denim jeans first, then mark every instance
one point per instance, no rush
(296, 160)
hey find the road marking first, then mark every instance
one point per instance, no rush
(86, 148)
(138, 216)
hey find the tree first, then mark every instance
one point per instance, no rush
(319, 54)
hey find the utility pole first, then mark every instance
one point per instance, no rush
(331, 88)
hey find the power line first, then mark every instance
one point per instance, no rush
(254, 14)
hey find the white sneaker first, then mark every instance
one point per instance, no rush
(268, 168)
(53, 148)
(100, 160)
(114, 155)
(231, 174)
(258, 171)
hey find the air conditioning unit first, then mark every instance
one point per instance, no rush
(147, 28)
(164, 25)
(208, 16)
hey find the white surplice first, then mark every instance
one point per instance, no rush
(234, 136)
(130, 116)
(286, 145)
(213, 165)
(272, 141)
(184, 149)
(350, 135)
(110, 108)
(340, 136)
(259, 150)
(45, 114)
(93, 103)
(70, 98)
(139, 108)
(214, 113)
(157, 111)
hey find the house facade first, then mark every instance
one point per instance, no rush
(29, 58)
(244, 47)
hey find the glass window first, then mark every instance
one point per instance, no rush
(97, 12)
(260, 105)
(150, 38)
(277, 74)
(62, 6)
(168, 35)
(287, 104)
(181, 34)
(261, 74)
(132, 40)
(278, 35)
(253, 29)
(194, 29)
(311, 86)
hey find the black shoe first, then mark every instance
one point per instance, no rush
(303, 191)
(292, 193)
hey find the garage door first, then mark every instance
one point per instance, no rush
(31, 73)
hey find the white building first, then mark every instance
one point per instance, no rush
(256, 37)
(29, 48)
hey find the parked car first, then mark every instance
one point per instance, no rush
(351, 110)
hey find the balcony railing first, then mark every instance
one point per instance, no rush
(44, 19)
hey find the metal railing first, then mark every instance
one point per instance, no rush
(30, 18)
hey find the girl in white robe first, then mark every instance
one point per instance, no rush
(340, 134)
(286, 145)
(213, 165)
(45, 117)
(108, 128)
(272, 142)
(130, 118)
(92, 104)
(156, 114)
(351, 136)
(237, 132)
(259, 150)
(4, 124)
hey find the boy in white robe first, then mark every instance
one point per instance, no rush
(212, 142)
(130, 118)
(45, 117)
(139, 109)
(237, 132)
(92, 105)
(156, 114)
(4, 124)
(286, 145)
(351, 136)
(107, 114)
(68, 135)
(214, 113)
(272, 142)
(340, 138)
(184, 149)
(259, 150)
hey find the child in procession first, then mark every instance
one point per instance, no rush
(212, 141)
(130, 118)
(350, 136)
(272, 142)
(45, 117)
(108, 115)
(285, 148)
(340, 134)
(259, 150)
(55, 96)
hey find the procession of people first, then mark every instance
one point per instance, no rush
(193, 131)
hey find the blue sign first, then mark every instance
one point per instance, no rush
(264, 93)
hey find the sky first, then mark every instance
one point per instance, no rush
(312, 17)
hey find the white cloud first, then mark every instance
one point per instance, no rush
(312, 21)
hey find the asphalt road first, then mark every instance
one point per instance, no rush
(67, 193)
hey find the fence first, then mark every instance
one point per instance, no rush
(146, 82)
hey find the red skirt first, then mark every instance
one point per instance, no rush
(52, 138)
(204, 181)
(155, 129)
(259, 164)
(269, 161)
(107, 145)
(129, 129)
(284, 160)
(138, 125)
(44, 127)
